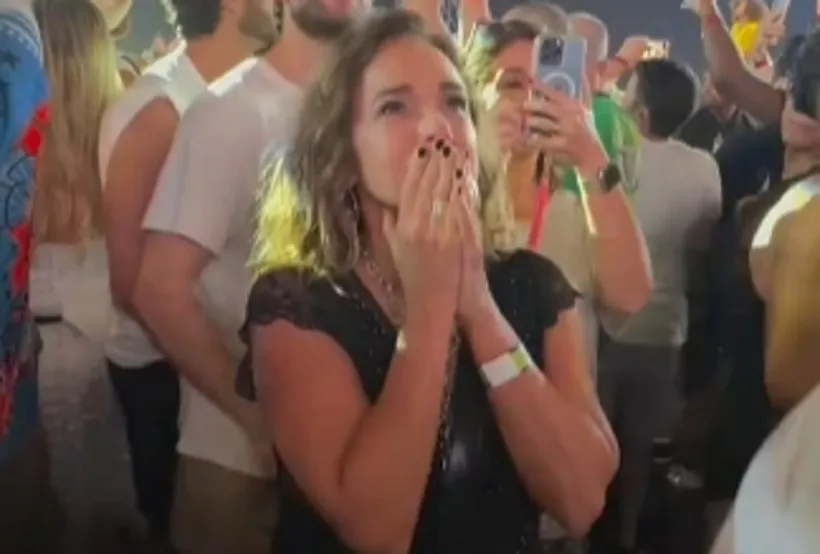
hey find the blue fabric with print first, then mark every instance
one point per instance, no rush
(23, 90)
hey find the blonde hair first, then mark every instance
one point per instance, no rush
(479, 60)
(309, 215)
(81, 61)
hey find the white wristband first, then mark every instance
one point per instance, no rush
(507, 367)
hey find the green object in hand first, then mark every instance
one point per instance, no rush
(617, 133)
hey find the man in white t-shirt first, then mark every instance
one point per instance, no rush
(135, 138)
(677, 203)
(194, 279)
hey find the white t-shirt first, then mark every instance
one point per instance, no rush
(207, 193)
(677, 201)
(792, 200)
(176, 78)
(777, 508)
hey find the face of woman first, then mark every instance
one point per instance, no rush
(409, 92)
(514, 68)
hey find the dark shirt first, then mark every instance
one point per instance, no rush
(706, 129)
(474, 500)
(748, 162)
(751, 164)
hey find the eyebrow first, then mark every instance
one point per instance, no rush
(401, 90)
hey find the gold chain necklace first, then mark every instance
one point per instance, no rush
(395, 309)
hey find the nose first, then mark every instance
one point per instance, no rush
(435, 123)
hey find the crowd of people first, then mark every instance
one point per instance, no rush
(323, 278)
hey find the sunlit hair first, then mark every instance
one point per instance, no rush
(81, 61)
(308, 211)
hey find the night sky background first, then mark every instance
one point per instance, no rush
(657, 18)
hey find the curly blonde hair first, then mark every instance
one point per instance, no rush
(308, 212)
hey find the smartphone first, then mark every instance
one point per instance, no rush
(559, 63)
(657, 49)
(781, 6)
(450, 11)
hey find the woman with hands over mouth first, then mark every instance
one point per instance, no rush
(426, 390)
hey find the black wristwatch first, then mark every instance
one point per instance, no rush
(609, 177)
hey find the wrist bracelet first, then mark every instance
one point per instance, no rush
(507, 367)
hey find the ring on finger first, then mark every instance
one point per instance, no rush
(437, 209)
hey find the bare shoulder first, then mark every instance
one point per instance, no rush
(799, 232)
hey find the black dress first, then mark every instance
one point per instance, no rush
(474, 501)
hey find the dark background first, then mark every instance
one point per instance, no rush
(657, 18)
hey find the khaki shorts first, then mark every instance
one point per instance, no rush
(217, 510)
(30, 517)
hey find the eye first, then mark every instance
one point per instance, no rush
(457, 101)
(511, 84)
(391, 107)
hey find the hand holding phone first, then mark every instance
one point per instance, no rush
(657, 49)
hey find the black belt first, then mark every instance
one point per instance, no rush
(48, 319)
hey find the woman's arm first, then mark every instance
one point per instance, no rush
(552, 423)
(363, 466)
(623, 274)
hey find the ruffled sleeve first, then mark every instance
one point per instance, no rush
(283, 294)
(545, 284)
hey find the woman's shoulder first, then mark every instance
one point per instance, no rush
(291, 293)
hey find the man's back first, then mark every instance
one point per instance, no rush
(676, 202)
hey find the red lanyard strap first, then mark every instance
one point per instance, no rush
(541, 203)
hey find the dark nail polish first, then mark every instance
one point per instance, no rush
(459, 174)
(439, 144)
(445, 151)
(422, 152)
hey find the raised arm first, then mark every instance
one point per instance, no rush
(551, 421)
(729, 72)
